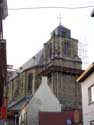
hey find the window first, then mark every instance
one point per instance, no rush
(92, 122)
(50, 50)
(49, 79)
(67, 48)
(91, 93)
(63, 34)
(30, 79)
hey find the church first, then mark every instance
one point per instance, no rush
(58, 60)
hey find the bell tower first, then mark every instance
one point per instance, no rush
(62, 66)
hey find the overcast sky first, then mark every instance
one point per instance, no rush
(27, 30)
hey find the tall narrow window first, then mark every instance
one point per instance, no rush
(49, 79)
(91, 93)
(67, 49)
(50, 50)
(30, 80)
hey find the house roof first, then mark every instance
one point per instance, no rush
(19, 105)
(86, 73)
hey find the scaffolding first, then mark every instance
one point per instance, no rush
(83, 53)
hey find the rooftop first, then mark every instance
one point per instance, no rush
(61, 31)
(86, 73)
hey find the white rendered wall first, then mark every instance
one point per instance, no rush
(43, 100)
(88, 109)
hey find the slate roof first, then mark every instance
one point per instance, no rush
(34, 61)
(18, 106)
(61, 31)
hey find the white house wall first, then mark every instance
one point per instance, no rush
(88, 109)
(32, 112)
(43, 100)
(48, 99)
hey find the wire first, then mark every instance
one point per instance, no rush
(51, 7)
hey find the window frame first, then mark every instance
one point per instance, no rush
(67, 48)
(92, 122)
(64, 34)
(90, 101)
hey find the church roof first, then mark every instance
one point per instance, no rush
(61, 27)
(17, 106)
(61, 31)
(34, 61)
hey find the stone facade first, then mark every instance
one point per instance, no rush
(63, 65)
(59, 61)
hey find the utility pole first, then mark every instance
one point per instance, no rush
(3, 62)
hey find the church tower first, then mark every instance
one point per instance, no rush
(62, 66)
